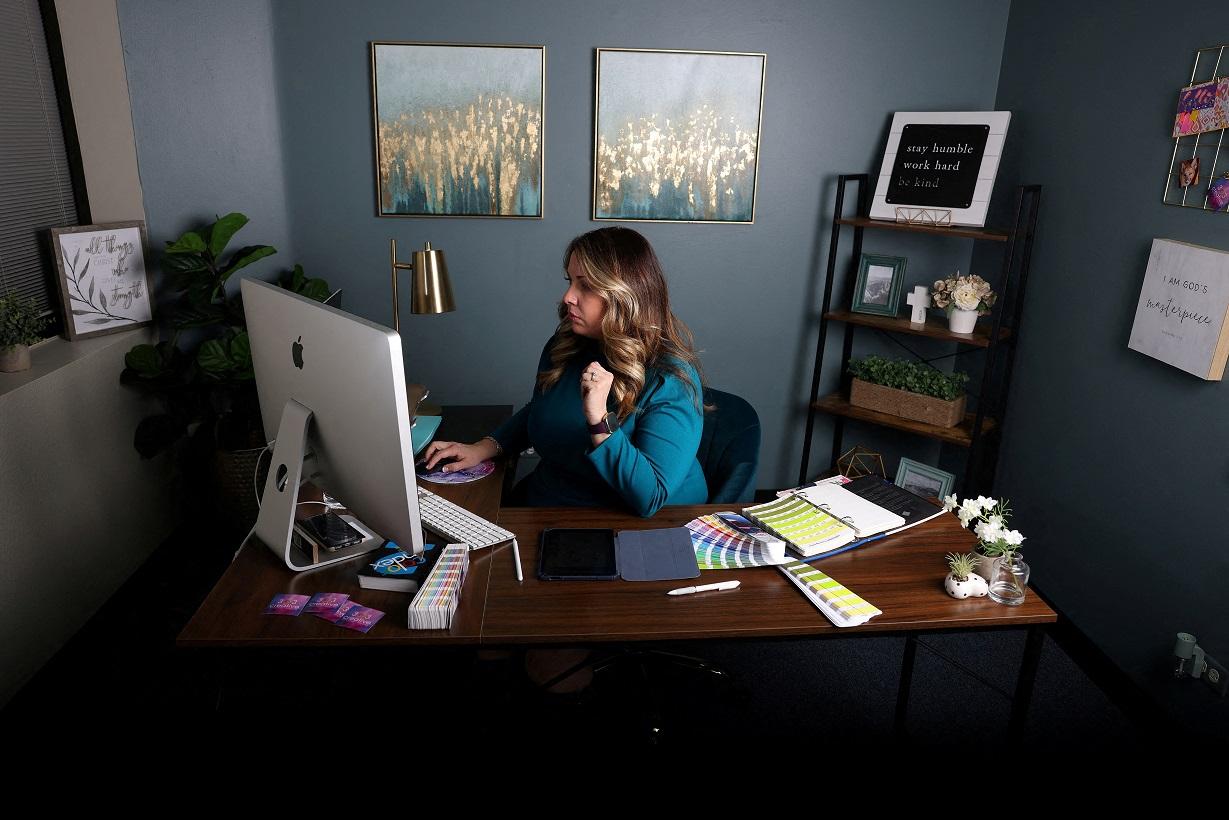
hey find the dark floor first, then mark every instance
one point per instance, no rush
(122, 668)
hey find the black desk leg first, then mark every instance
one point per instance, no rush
(1024, 684)
(906, 679)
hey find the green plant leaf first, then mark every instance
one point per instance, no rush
(316, 289)
(241, 356)
(190, 242)
(222, 231)
(244, 257)
(180, 263)
(203, 316)
(297, 278)
(213, 359)
(145, 360)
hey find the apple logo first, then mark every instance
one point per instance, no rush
(296, 353)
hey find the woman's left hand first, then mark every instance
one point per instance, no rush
(595, 383)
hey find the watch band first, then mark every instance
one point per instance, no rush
(608, 424)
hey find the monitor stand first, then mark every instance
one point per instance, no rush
(275, 524)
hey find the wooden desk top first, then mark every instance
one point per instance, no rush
(902, 575)
(232, 614)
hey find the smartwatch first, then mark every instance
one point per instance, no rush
(608, 424)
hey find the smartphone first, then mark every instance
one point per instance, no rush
(577, 555)
(332, 532)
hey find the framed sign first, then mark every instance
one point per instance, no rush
(1182, 317)
(924, 480)
(877, 289)
(677, 135)
(103, 282)
(944, 161)
(458, 129)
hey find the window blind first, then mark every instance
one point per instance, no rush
(36, 185)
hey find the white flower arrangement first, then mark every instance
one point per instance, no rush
(989, 522)
(964, 292)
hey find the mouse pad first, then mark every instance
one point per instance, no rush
(480, 470)
(656, 555)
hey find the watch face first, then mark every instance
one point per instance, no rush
(612, 422)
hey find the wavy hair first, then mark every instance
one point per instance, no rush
(638, 328)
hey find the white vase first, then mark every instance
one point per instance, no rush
(14, 359)
(974, 586)
(962, 321)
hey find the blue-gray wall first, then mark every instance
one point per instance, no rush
(205, 114)
(835, 72)
(1118, 465)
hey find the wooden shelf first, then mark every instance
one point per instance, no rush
(961, 434)
(934, 329)
(961, 231)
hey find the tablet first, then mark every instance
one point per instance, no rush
(577, 555)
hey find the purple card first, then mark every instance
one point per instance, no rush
(360, 618)
(336, 615)
(286, 604)
(323, 602)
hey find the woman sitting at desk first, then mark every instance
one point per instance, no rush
(617, 413)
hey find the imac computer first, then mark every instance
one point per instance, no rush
(332, 392)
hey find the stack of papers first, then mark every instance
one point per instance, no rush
(838, 604)
(440, 595)
(718, 545)
(864, 517)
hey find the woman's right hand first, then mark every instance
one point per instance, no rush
(456, 455)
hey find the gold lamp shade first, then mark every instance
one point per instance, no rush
(430, 288)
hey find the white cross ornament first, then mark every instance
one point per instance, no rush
(920, 300)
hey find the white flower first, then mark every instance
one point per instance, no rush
(969, 510)
(986, 503)
(997, 520)
(950, 503)
(1013, 538)
(988, 533)
(966, 297)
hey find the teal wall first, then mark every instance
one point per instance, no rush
(267, 107)
(1117, 464)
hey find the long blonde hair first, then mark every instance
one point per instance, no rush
(638, 328)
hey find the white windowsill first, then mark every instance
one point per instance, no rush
(54, 355)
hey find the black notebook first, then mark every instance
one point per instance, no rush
(909, 506)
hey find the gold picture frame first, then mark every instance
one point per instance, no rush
(458, 129)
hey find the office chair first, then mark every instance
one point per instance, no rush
(729, 455)
(729, 451)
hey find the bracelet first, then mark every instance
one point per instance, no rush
(499, 448)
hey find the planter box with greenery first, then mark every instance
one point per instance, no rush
(911, 390)
(20, 326)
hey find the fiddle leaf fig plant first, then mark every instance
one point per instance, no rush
(202, 368)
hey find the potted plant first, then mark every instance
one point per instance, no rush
(20, 326)
(911, 390)
(999, 559)
(963, 580)
(201, 370)
(964, 298)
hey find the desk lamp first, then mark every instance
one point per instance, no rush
(430, 289)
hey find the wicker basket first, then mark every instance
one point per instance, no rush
(912, 406)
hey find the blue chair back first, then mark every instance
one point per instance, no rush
(729, 451)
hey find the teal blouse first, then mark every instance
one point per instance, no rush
(650, 461)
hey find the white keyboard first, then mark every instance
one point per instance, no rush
(457, 524)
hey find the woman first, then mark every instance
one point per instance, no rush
(617, 413)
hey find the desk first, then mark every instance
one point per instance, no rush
(902, 575)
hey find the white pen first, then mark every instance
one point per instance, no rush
(705, 588)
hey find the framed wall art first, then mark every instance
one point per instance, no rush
(1182, 317)
(940, 162)
(677, 135)
(877, 289)
(458, 129)
(101, 277)
(924, 480)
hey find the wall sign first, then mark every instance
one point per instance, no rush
(103, 283)
(943, 161)
(1182, 317)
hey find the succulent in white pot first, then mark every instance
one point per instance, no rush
(963, 581)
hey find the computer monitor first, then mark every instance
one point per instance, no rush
(332, 388)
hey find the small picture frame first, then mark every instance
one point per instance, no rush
(924, 480)
(879, 283)
(102, 279)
